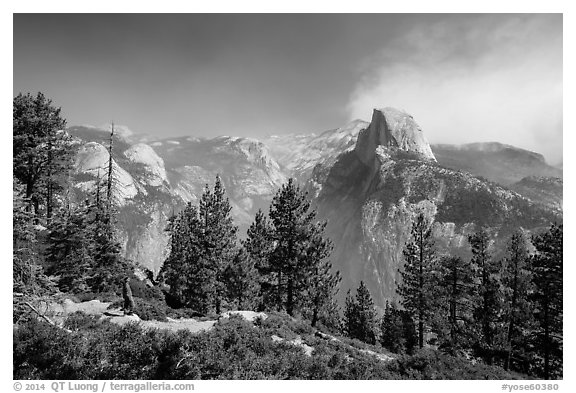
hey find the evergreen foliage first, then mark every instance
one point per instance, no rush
(182, 266)
(297, 262)
(455, 291)
(218, 242)
(487, 294)
(28, 278)
(516, 283)
(41, 150)
(259, 245)
(398, 332)
(360, 315)
(70, 250)
(241, 281)
(204, 252)
(547, 297)
(417, 287)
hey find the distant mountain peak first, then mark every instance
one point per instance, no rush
(394, 129)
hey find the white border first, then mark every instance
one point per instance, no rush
(302, 6)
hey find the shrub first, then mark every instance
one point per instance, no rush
(233, 349)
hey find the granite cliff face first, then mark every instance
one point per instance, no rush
(372, 194)
(393, 130)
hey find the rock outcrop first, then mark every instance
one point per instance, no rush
(394, 130)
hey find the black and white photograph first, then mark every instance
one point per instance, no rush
(286, 196)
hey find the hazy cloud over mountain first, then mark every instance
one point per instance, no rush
(474, 78)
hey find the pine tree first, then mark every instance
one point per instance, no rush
(487, 292)
(218, 242)
(360, 315)
(516, 280)
(398, 332)
(203, 245)
(60, 151)
(417, 286)
(110, 268)
(299, 253)
(322, 285)
(69, 249)
(546, 267)
(456, 291)
(321, 292)
(351, 318)
(392, 337)
(41, 150)
(258, 244)
(28, 276)
(290, 219)
(367, 314)
(183, 270)
(241, 281)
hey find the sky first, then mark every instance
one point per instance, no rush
(464, 78)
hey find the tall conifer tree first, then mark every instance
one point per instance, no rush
(516, 279)
(360, 315)
(417, 286)
(547, 297)
(487, 292)
(456, 289)
(41, 150)
(218, 242)
(258, 244)
(300, 249)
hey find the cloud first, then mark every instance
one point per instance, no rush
(470, 79)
